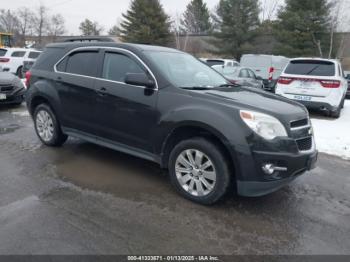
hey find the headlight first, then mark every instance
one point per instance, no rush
(264, 125)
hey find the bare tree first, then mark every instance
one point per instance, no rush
(56, 27)
(269, 9)
(25, 21)
(41, 22)
(8, 21)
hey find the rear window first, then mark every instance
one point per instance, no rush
(215, 62)
(3, 52)
(33, 55)
(18, 54)
(311, 67)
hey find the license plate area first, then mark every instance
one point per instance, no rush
(3, 97)
(302, 98)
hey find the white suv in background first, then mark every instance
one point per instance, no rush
(317, 83)
(11, 59)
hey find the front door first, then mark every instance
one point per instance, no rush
(125, 114)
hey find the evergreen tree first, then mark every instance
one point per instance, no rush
(196, 18)
(146, 22)
(303, 28)
(90, 28)
(236, 24)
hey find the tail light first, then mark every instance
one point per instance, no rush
(4, 60)
(330, 84)
(28, 76)
(285, 80)
(271, 71)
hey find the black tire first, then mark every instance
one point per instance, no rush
(223, 175)
(19, 72)
(58, 138)
(343, 103)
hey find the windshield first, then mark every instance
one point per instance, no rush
(3, 52)
(183, 70)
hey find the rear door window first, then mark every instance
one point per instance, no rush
(3, 52)
(311, 67)
(34, 55)
(82, 63)
(18, 54)
(244, 73)
(116, 66)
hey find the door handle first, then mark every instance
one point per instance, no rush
(102, 91)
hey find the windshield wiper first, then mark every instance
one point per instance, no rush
(229, 85)
(197, 88)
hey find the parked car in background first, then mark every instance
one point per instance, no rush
(268, 67)
(219, 61)
(11, 89)
(165, 106)
(317, 83)
(347, 76)
(28, 63)
(11, 59)
(240, 76)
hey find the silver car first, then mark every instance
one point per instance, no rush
(240, 76)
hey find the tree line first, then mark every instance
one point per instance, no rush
(25, 22)
(300, 27)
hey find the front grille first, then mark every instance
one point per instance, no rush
(6, 88)
(299, 123)
(305, 144)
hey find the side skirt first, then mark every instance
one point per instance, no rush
(112, 145)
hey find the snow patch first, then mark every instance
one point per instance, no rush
(333, 136)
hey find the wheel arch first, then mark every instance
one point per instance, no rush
(190, 129)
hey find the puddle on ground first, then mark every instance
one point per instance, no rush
(8, 129)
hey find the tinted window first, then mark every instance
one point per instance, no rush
(251, 74)
(311, 67)
(117, 66)
(244, 73)
(33, 55)
(215, 62)
(82, 63)
(18, 54)
(3, 52)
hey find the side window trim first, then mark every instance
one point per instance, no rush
(101, 50)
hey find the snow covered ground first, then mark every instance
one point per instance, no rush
(333, 136)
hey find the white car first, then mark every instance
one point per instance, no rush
(268, 67)
(220, 61)
(317, 83)
(11, 59)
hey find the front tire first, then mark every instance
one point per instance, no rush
(47, 126)
(199, 171)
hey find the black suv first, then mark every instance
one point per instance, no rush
(166, 106)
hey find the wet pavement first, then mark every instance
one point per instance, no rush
(85, 199)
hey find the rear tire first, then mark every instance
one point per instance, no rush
(47, 126)
(19, 72)
(199, 171)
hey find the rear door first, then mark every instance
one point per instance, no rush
(125, 114)
(309, 78)
(75, 83)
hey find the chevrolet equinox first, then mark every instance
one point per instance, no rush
(166, 106)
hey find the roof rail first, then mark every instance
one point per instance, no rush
(88, 39)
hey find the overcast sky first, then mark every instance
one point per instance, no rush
(106, 12)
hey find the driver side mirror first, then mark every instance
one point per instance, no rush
(139, 79)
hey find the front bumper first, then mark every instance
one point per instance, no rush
(15, 97)
(296, 166)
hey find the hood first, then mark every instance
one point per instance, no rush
(258, 100)
(8, 79)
